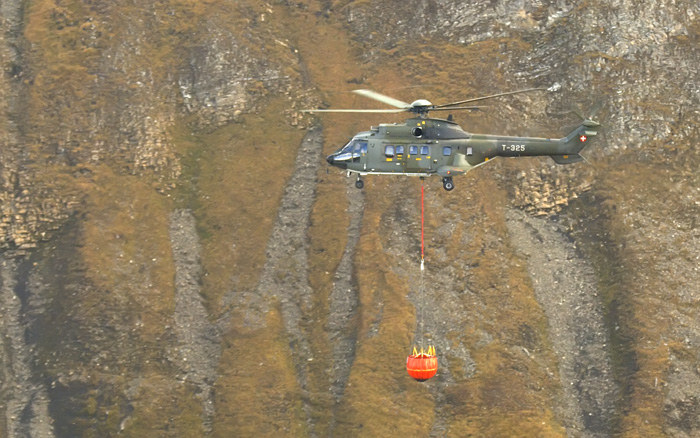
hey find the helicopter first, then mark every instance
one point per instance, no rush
(423, 146)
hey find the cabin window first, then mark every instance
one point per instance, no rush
(399, 150)
(413, 150)
(389, 150)
(470, 152)
(424, 150)
(447, 151)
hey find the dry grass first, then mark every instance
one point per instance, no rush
(381, 399)
(233, 180)
(126, 243)
(257, 392)
(637, 291)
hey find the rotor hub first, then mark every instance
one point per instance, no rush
(421, 103)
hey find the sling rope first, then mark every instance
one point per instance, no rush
(422, 366)
(422, 263)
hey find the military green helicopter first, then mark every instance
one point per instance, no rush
(423, 146)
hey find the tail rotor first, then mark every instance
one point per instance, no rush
(591, 113)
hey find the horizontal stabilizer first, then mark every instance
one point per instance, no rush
(567, 159)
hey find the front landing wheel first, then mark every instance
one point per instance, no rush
(359, 183)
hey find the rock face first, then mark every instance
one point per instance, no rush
(576, 323)
(176, 261)
(25, 402)
(198, 340)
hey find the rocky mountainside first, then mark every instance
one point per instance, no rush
(177, 261)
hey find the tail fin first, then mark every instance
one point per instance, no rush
(574, 143)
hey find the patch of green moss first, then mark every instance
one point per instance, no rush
(233, 178)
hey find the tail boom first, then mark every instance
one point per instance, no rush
(564, 150)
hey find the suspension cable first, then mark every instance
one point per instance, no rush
(422, 263)
(422, 225)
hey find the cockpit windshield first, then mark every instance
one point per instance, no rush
(354, 149)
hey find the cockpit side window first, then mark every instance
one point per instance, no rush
(360, 147)
(355, 148)
(389, 150)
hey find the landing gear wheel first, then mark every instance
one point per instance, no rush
(448, 184)
(359, 183)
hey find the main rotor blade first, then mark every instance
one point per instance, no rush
(595, 109)
(354, 110)
(576, 109)
(382, 98)
(475, 108)
(488, 97)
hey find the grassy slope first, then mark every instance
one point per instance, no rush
(643, 293)
(647, 339)
(237, 217)
(125, 307)
(381, 399)
(221, 180)
(124, 240)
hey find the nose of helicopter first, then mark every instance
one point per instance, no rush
(333, 160)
